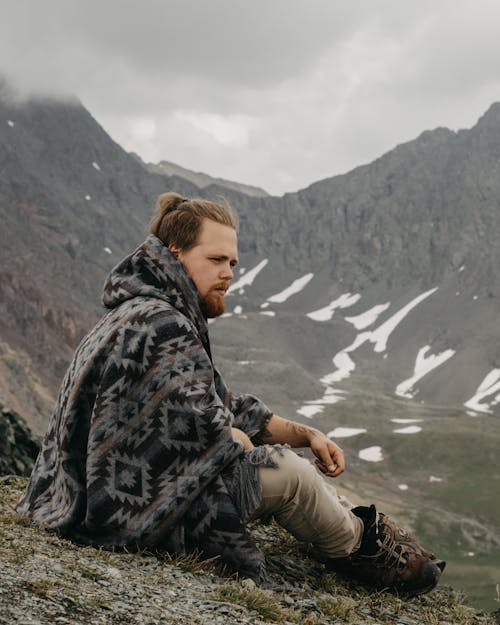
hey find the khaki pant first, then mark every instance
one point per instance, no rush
(307, 506)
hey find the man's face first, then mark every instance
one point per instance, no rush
(210, 264)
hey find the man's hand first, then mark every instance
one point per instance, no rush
(241, 437)
(329, 456)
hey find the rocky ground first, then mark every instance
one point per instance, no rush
(45, 580)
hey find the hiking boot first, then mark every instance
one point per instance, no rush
(399, 534)
(389, 557)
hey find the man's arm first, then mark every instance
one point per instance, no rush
(329, 456)
(242, 438)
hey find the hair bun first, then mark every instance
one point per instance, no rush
(168, 202)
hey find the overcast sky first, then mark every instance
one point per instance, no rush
(275, 93)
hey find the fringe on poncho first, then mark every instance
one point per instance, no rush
(139, 452)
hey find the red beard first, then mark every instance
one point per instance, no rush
(213, 303)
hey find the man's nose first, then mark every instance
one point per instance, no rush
(227, 272)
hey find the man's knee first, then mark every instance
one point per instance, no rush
(292, 473)
(300, 468)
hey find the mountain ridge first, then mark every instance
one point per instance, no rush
(203, 180)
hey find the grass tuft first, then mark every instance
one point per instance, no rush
(192, 562)
(88, 572)
(335, 607)
(41, 587)
(258, 600)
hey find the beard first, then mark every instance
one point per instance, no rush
(213, 303)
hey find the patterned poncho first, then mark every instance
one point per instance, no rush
(139, 451)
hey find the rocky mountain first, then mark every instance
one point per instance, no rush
(72, 203)
(392, 270)
(367, 302)
(202, 180)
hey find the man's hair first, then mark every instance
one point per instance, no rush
(178, 220)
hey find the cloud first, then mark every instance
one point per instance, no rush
(222, 42)
(275, 93)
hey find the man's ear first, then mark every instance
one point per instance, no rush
(174, 249)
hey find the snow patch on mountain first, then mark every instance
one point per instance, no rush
(310, 411)
(379, 337)
(248, 278)
(325, 314)
(433, 479)
(489, 386)
(371, 454)
(295, 287)
(362, 321)
(411, 429)
(423, 365)
(331, 396)
(342, 432)
(345, 366)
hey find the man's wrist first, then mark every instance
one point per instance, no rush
(312, 433)
(307, 433)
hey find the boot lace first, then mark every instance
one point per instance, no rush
(390, 551)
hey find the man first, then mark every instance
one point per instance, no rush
(148, 448)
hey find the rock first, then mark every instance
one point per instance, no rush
(113, 571)
(248, 583)
(19, 446)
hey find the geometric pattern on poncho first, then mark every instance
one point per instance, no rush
(139, 451)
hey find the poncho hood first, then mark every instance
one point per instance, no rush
(153, 271)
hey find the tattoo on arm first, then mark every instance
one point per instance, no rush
(286, 431)
(296, 428)
(301, 430)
